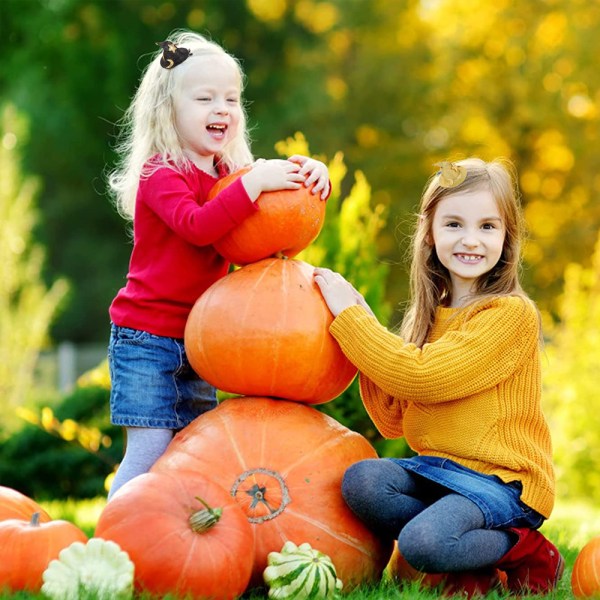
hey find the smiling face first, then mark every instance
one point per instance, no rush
(468, 234)
(207, 107)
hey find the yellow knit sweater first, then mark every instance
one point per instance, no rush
(471, 394)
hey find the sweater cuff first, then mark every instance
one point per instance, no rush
(344, 321)
(236, 202)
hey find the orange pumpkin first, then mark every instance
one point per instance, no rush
(176, 543)
(585, 578)
(286, 222)
(27, 547)
(263, 330)
(14, 505)
(283, 463)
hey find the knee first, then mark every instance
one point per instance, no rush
(420, 546)
(359, 481)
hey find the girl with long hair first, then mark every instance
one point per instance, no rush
(462, 384)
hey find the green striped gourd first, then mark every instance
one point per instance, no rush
(301, 573)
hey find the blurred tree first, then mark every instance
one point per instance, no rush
(571, 391)
(27, 307)
(395, 85)
(520, 80)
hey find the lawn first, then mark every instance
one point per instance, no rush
(570, 527)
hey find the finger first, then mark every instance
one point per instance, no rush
(298, 158)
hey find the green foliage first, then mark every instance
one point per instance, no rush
(571, 390)
(395, 85)
(27, 307)
(43, 461)
(348, 244)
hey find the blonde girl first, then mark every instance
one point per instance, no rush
(185, 129)
(462, 384)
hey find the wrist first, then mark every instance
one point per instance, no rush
(252, 185)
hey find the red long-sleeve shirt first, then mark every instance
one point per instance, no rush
(173, 260)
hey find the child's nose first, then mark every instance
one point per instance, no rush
(221, 107)
(470, 240)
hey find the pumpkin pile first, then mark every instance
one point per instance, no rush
(263, 330)
(262, 472)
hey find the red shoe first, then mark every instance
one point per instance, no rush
(470, 584)
(533, 564)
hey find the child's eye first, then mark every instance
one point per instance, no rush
(453, 224)
(203, 98)
(233, 100)
(489, 226)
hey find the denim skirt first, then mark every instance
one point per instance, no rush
(500, 502)
(152, 382)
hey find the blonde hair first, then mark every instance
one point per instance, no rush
(148, 125)
(430, 282)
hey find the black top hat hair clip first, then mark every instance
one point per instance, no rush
(172, 55)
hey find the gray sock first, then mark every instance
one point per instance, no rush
(144, 447)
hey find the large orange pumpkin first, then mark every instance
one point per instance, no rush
(585, 578)
(283, 463)
(27, 547)
(263, 330)
(286, 222)
(14, 505)
(177, 544)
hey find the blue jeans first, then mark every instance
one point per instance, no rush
(438, 527)
(152, 382)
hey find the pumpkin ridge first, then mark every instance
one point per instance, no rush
(315, 451)
(340, 536)
(230, 436)
(281, 326)
(313, 376)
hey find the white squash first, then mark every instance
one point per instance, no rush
(98, 569)
(301, 573)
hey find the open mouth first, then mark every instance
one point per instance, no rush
(469, 258)
(217, 130)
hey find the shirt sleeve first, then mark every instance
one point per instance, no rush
(484, 351)
(170, 196)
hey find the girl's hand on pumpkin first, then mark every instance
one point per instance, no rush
(272, 175)
(338, 293)
(316, 172)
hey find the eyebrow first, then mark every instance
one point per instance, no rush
(457, 217)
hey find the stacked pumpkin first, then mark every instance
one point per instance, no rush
(261, 332)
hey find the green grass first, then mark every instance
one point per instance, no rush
(570, 528)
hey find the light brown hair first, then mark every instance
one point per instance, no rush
(430, 283)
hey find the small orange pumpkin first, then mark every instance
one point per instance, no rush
(26, 549)
(286, 222)
(14, 505)
(184, 534)
(585, 578)
(283, 462)
(263, 330)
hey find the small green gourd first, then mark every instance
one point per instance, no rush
(98, 569)
(301, 573)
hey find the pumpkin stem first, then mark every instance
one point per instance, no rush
(280, 254)
(35, 519)
(205, 518)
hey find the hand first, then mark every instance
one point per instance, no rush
(316, 173)
(338, 293)
(272, 175)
